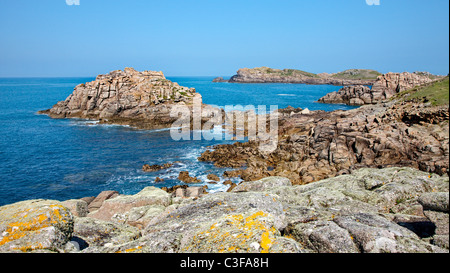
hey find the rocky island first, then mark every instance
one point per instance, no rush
(368, 180)
(141, 99)
(270, 75)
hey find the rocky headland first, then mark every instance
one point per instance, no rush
(140, 99)
(270, 75)
(386, 86)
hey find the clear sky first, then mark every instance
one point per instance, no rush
(217, 37)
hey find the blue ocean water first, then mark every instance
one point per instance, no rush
(65, 159)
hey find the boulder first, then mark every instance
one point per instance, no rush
(385, 87)
(323, 237)
(141, 99)
(263, 184)
(435, 206)
(190, 192)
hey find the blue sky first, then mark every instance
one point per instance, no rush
(217, 37)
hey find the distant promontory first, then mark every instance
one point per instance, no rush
(270, 75)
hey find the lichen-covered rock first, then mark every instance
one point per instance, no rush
(263, 184)
(270, 75)
(100, 233)
(369, 211)
(120, 207)
(77, 207)
(320, 145)
(385, 87)
(35, 225)
(386, 198)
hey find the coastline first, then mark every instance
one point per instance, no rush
(274, 209)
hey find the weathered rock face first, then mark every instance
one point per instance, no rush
(36, 225)
(268, 75)
(397, 210)
(385, 87)
(186, 178)
(141, 99)
(132, 209)
(220, 79)
(155, 168)
(315, 146)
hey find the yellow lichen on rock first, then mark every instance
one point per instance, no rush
(236, 233)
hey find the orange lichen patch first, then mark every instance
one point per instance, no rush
(236, 233)
(130, 250)
(32, 221)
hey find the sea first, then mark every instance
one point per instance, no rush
(62, 159)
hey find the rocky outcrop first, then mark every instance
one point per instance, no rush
(155, 168)
(35, 225)
(319, 145)
(140, 99)
(385, 87)
(396, 210)
(269, 75)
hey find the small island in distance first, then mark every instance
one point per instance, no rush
(271, 75)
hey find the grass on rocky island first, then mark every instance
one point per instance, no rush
(286, 72)
(437, 93)
(357, 74)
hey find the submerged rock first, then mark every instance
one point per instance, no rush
(368, 211)
(385, 87)
(322, 144)
(123, 208)
(140, 99)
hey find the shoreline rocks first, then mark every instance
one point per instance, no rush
(319, 145)
(385, 87)
(154, 168)
(367, 211)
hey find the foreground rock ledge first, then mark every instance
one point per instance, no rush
(397, 210)
(140, 99)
